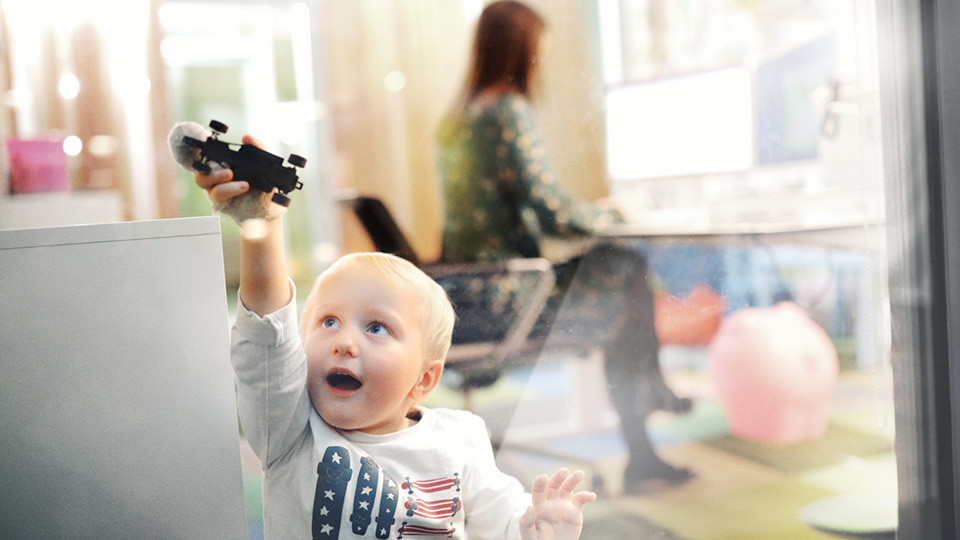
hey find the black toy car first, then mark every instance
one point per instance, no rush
(261, 169)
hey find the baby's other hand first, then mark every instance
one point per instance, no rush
(557, 512)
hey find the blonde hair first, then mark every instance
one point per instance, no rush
(438, 315)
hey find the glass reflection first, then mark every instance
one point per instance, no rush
(743, 137)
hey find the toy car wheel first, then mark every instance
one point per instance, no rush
(219, 127)
(201, 167)
(297, 161)
(281, 199)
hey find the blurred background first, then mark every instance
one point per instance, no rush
(750, 96)
(709, 119)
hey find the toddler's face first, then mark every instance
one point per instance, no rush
(365, 350)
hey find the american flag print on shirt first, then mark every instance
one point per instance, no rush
(364, 496)
(418, 530)
(441, 508)
(333, 480)
(424, 498)
(432, 486)
(333, 476)
(389, 497)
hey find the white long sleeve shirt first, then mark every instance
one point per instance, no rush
(436, 478)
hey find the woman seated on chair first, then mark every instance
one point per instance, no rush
(502, 197)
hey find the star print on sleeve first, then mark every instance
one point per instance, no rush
(334, 474)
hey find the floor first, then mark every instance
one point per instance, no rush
(557, 414)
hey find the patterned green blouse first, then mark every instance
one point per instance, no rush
(501, 194)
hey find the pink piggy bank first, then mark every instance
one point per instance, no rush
(774, 371)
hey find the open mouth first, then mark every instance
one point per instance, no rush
(343, 381)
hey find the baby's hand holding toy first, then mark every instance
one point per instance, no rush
(244, 183)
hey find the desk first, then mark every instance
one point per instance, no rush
(848, 235)
(862, 236)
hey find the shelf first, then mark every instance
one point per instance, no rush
(60, 209)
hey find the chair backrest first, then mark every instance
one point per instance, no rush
(382, 228)
(387, 237)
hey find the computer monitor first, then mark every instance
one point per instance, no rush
(788, 125)
(692, 124)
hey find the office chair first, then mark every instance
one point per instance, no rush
(477, 364)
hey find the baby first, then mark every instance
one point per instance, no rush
(333, 410)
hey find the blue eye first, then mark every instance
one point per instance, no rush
(378, 329)
(329, 322)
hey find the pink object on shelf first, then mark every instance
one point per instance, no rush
(775, 371)
(37, 165)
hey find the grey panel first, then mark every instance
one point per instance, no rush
(117, 405)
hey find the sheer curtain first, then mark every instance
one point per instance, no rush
(396, 66)
(389, 85)
(73, 71)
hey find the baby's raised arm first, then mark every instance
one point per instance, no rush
(264, 287)
(557, 512)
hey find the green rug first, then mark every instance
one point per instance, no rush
(761, 512)
(838, 443)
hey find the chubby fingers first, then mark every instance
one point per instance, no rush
(227, 190)
(219, 184)
(250, 139)
(557, 486)
(545, 488)
(217, 175)
(582, 498)
(528, 524)
(570, 483)
(560, 484)
(539, 489)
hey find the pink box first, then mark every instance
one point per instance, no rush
(37, 165)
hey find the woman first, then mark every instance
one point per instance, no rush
(502, 197)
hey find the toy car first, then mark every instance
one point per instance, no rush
(261, 169)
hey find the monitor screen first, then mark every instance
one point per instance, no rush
(788, 126)
(698, 123)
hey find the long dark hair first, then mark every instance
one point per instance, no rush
(503, 56)
(504, 48)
